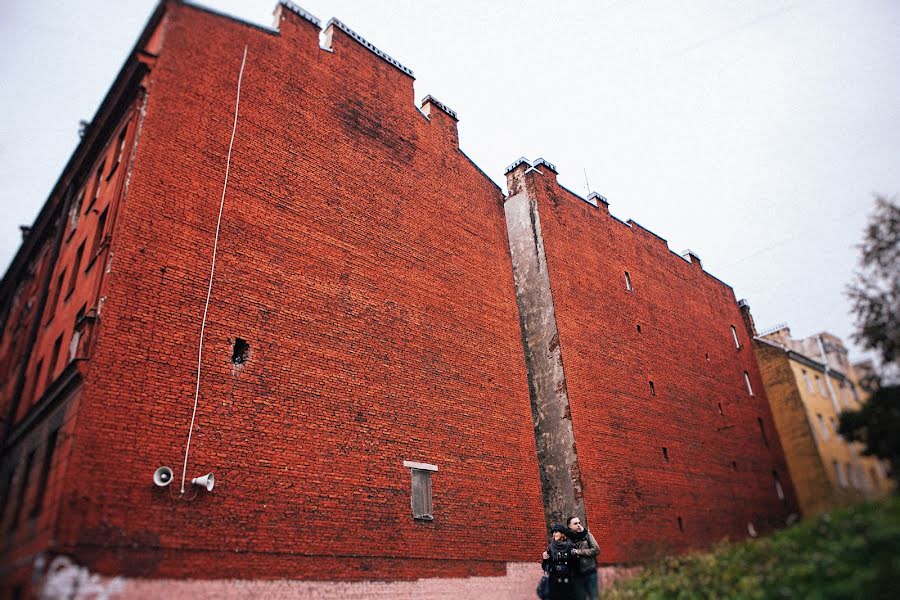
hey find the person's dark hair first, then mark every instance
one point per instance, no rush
(569, 520)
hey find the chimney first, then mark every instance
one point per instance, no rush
(748, 318)
(441, 116)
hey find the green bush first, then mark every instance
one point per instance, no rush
(851, 553)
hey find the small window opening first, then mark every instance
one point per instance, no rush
(57, 292)
(680, 525)
(666, 453)
(639, 328)
(23, 488)
(54, 358)
(734, 465)
(720, 409)
(809, 385)
(76, 210)
(823, 427)
(628, 282)
(99, 233)
(737, 342)
(76, 266)
(842, 478)
(45, 473)
(778, 489)
(707, 356)
(747, 381)
(421, 490)
(762, 431)
(120, 150)
(96, 193)
(652, 389)
(241, 352)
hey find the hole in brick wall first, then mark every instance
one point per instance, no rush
(241, 352)
(666, 453)
(734, 465)
(762, 432)
(652, 389)
(680, 525)
(707, 356)
(720, 409)
(639, 328)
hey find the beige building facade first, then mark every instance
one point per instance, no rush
(809, 382)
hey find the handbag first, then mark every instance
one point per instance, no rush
(543, 588)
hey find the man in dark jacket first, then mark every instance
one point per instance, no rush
(586, 550)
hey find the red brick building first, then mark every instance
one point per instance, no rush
(363, 400)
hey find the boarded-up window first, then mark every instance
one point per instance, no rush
(779, 491)
(421, 489)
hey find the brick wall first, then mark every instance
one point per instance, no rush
(672, 328)
(363, 258)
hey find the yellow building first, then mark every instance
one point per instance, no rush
(809, 382)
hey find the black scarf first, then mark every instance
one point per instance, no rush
(577, 537)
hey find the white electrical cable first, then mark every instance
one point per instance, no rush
(212, 271)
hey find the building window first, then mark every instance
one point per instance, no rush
(628, 282)
(842, 478)
(421, 489)
(823, 426)
(820, 386)
(762, 431)
(98, 235)
(680, 525)
(33, 385)
(45, 473)
(747, 381)
(855, 393)
(652, 389)
(54, 356)
(720, 409)
(809, 385)
(737, 343)
(23, 488)
(778, 489)
(51, 308)
(76, 210)
(852, 473)
(76, 266)
(666, 453)
(120, 151)
(96, 193)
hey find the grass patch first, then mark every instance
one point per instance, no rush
(850, 553)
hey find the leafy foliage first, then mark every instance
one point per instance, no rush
(877, 425)
(875, 291)
(851, 553)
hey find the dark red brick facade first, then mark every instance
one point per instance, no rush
(665, 425)
(364, 259)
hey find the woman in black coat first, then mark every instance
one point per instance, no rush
(559, 563)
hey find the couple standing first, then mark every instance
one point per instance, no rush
(570, 562)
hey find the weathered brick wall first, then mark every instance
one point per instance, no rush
(363, 258)
(718, 474)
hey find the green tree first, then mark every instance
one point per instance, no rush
(875, 298)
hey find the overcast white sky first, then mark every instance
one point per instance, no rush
(753, 132)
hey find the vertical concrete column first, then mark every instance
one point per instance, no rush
(553, 432)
